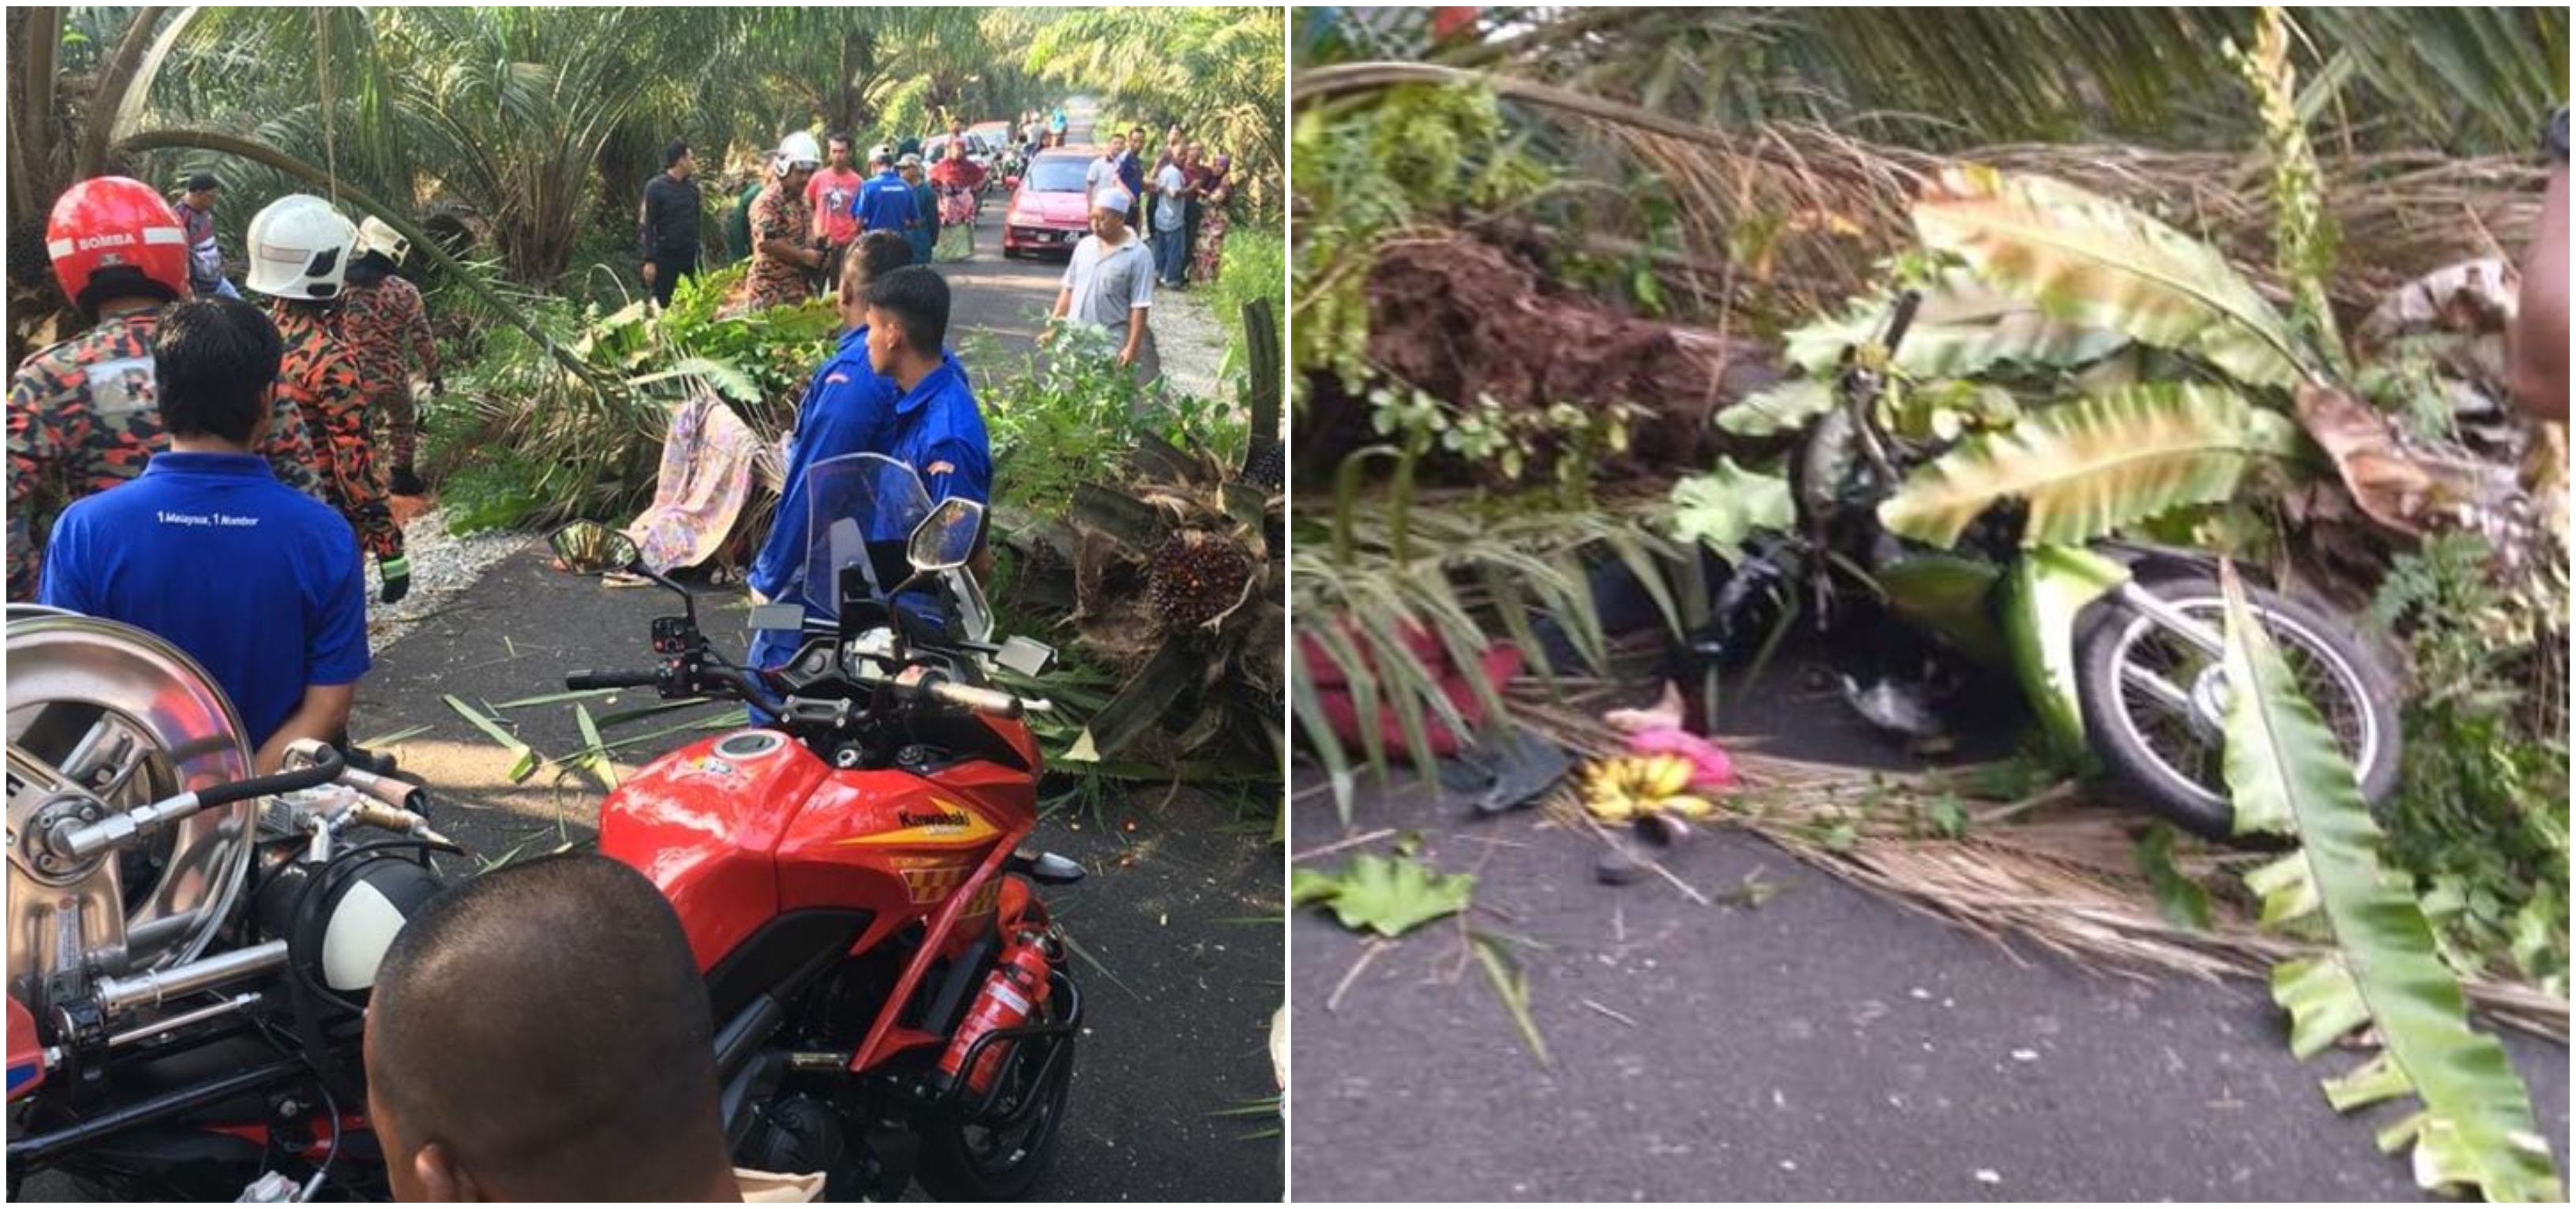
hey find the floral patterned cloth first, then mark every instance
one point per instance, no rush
(707, 460)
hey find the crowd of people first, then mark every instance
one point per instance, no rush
(189, 438)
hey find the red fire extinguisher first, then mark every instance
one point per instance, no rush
(1012, 995)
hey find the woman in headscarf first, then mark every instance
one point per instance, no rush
(1215, 189)
(957, 178)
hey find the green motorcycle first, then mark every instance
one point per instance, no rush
(2117, 646)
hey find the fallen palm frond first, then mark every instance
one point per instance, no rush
(2055, 870)
(1838, 203)
(2473, 1126)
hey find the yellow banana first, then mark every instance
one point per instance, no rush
(1689, 807)
(1612, 806)
(1669, 775)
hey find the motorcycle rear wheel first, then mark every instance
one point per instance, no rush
(966, 1162)
(2174, 759)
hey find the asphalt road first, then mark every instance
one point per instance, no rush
(1826, 1045)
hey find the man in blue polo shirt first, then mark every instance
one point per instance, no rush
(885, 202)
(260, 584)
(938, 430)
(847, 409)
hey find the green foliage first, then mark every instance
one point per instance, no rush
(1380, 585)
(536, 440)
(496, 492)
(1218, 71)
(2465, 79)
(1505, 445)
(2304, 232)
(1723, 507)
(2092, 466)
(2096, 263)
(2474, 1127)
(775, 351)
(1408, 154)
(1386, 895)
(2480, 818)
(1070, 415)
(1255, 265)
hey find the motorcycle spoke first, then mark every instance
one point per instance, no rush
(2154, 688)
(30, 772)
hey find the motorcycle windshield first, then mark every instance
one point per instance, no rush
(861, 509)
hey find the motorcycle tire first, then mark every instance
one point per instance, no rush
(953, 1167)
(2362, 677)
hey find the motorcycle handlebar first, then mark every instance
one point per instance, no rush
(980, 700)
(586, 679)
(1906, 304)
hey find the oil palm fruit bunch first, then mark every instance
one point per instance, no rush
(1178, 583)
(1630, 788)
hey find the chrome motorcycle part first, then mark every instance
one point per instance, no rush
(104, 719)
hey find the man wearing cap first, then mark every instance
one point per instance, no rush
(783, 255)
(205, 260)
(84, 415)
(885, 202)
(1109, 283)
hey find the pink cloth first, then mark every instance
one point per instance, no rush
(1711, 767)
(705, 480)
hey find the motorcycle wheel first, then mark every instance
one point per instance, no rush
(966, 1162)
(2173, 752)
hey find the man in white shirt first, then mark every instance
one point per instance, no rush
(1109, 283)
(1171, 227)
(1103, 171)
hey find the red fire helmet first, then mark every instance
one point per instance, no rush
(113, 235)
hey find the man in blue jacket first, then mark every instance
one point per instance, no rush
(885, 202)
(848, 408)
(938, 430)
(259, 583)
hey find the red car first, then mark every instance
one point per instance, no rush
(1050, 211)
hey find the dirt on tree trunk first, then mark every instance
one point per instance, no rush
(1467, 320)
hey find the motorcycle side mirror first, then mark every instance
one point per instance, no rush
(591, 548)
(1026, 656)
(945, 539)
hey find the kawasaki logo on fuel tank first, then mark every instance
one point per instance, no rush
(953, 818)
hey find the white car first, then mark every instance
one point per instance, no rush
(982, 153)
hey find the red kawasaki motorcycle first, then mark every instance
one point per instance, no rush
(190, 947)
(891, 1000)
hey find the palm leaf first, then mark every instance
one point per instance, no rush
(2475, 1126)
(1785, 407)
(2095, 263)
(2093, 465)
(1962, 328)
(1723, 507)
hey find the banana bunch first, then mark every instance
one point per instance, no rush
(1624, 789)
